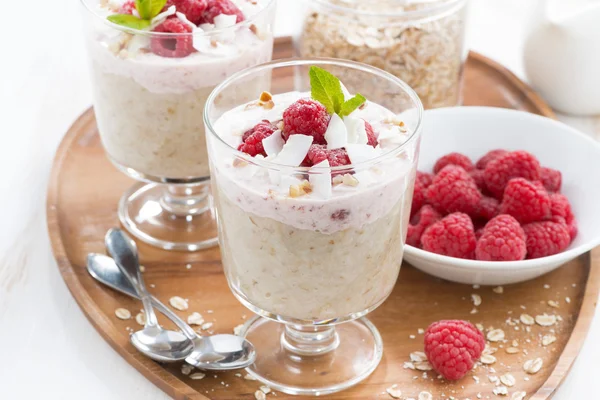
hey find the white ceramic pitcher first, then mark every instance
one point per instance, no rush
(562, 54)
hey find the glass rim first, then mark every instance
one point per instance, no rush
(442, 6)
(294, 62)
(143, 32)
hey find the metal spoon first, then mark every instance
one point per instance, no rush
(217, 352)
(153, 341)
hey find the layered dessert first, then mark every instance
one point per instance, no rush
(154, 67)
(313, 211)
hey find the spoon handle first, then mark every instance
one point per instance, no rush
(181, 324)
(124, 252)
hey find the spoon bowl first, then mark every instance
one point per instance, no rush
(162, 345)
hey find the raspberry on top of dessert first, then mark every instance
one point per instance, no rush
(189, 21)
(326, 128)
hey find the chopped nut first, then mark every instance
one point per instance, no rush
(495, 335)
(259, 395)
(178, 303)
(249, 377)
(553, 303)
(337, 180)
(533, 366)
(268, 105)
(265, 96)
(197, 376)
(498, 289)
(548, 340)
(350, 180)
(545, 320)
(476, 299)
(527, 319)
(508, 380)
(122, 313)
(480, 327)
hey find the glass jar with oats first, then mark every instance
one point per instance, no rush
(420, 41)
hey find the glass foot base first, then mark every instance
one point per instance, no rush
(171, 217)
(351, 353)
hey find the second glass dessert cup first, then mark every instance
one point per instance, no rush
(150, 87)
(311, 268)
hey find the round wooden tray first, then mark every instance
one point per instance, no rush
(82, 204)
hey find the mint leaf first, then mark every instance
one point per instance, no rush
(156, 7)
(352, 105)
(143, 8)
(129, 21)
(326, 89)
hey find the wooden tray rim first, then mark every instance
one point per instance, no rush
(175, 387)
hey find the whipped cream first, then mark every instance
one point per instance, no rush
(221, 54)
(374, 191)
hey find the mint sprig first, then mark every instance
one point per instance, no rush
(326, 88)
(147, 9)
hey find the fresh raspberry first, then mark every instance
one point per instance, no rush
(176, 46)
(560, 206)
(424, 217)
(306, 117)
(572, 227)
(478, 234)
(487, 208)
(193, 9)
(371, 137)
(453, 159)
(252, 138)
(424, 178)
(217, 7)
(551, 178)
(546, 238)
(477, 175)
(319, 152)
(452, 347)
(127, 7)
(452, 236)
(526, 201)
(452, 190)
(516, 164)
(503, 239)
(489, 156)
(422, 181)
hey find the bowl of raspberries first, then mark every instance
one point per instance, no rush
(501, 196)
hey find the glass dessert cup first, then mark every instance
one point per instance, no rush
(311, 268)
(422, 42)
(148, 107)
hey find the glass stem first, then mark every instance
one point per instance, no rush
(185, 200)
(309, 340)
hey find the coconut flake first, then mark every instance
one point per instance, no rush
(361, 152)
(160, 18)
(182, 17)
(321, 180)
(357, 133)
(225, 21)
(294, 150)
(273, 143)
(207, 26)
(203, 44)
(336, 134)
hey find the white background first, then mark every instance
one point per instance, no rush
(48, 349)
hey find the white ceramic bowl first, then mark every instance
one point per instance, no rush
(474, 131)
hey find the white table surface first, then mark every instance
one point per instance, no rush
(49, 350)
